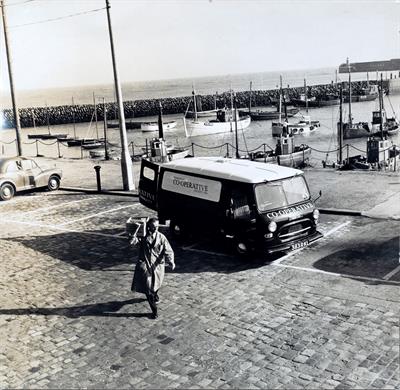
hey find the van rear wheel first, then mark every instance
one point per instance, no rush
(242, 247)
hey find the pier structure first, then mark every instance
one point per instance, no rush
(390, 68)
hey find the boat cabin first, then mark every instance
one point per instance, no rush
(377, 150)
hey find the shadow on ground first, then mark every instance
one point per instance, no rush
(97, 251)
(371, 259)
(105, 309)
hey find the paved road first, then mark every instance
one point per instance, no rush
(323, 317)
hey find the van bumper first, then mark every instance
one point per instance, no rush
(295, 244)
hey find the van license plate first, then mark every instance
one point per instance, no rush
(299, 245)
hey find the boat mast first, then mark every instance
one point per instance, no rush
(280, 99)
(251, 83)
(160, 123)
(340, 132)
(47, 118)
(194, 103)
(350, 118)
(380, 107)
(236, 129)
(95, 115)
(73, 116)
(305, 94)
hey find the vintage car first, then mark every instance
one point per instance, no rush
(21, 173)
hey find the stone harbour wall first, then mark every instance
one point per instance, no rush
(57, 115)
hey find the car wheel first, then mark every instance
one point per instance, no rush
(7, 191)
(54, 183)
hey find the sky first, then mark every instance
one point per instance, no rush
(167, 39)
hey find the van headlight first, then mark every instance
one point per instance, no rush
(272, 226)
(316, 214)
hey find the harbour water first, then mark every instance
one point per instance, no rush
(323, 140)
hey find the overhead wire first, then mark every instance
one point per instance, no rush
(58, 18)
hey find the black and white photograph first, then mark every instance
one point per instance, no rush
(200, 194)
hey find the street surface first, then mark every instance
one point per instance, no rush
(326, 316)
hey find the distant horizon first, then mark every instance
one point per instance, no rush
(296, 70)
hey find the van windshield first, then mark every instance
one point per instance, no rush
(281, 193)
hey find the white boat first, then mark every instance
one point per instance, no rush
(304, 126)
(153, 126)
(225, 123)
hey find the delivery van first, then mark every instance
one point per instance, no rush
(257, 206)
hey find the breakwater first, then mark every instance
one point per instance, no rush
(58, 115)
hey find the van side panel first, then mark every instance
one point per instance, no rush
(189, 199)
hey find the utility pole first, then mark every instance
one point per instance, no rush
(126, 162)
(10, 76)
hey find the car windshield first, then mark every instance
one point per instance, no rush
(282, 193)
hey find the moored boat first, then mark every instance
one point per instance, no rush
(46, 136)
(261, 114)
(320, 101)
(224, 123)
(286, 153)
(154, 126)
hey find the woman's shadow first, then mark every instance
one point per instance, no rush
(105, 309)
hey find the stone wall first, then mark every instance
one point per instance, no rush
(57, 115)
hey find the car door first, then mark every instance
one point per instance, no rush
(15, 174)
(26, 167)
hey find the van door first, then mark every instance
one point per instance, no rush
(148, 181)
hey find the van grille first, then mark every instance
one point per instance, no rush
(294, 230)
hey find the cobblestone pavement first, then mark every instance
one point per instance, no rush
(323, 317)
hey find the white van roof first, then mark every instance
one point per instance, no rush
(241, 170)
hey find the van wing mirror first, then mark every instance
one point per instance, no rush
(319, 195)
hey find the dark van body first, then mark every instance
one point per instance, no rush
(257, 206)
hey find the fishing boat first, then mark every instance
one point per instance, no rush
(223, 124)
(153, 126)
(365, 95)
(286, 153)
(201, 114)
(197, 108)
(93, 145)
(258, 114)
(46, 136)
(261, 114)
(381, 124)
(329, 99)
(159, 150)
(304, 126)
(350, 128)
(84, 141)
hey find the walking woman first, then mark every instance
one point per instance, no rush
(154, 252)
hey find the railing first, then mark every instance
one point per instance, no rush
(228, 148)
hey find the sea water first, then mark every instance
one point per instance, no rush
(323, 140)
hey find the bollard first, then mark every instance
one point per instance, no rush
(97, 169)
